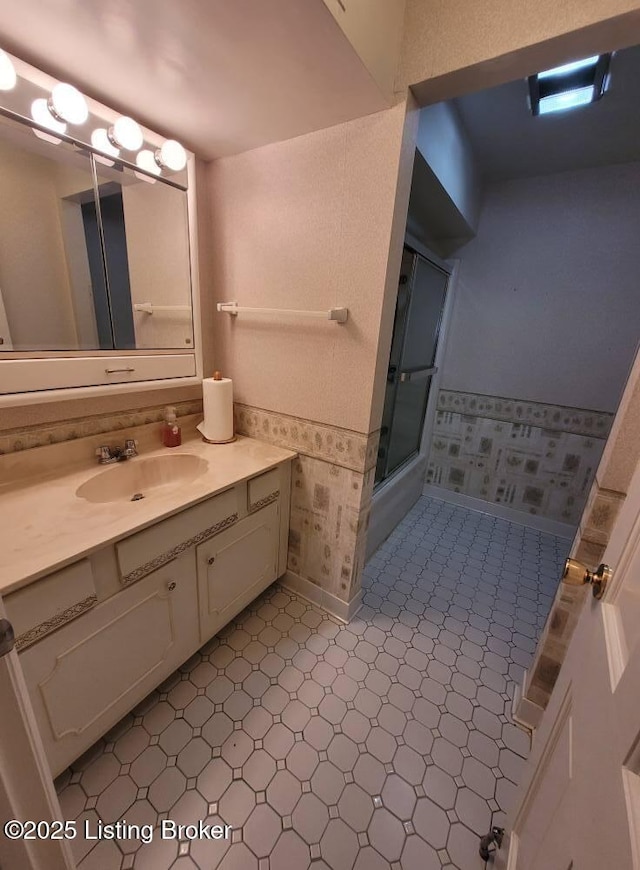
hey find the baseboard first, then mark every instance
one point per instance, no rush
(392, 502)
(540, 524)
(524, 712)
(342, 610)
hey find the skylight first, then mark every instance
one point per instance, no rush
(569, 67)
(568, 86)
(565, 100)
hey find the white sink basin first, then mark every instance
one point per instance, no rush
(142, 478)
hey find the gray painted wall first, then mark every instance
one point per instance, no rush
(445, 146)
(548, 300)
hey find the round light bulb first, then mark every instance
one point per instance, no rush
(67, 104)
(7, 72)
(41, 115)
(126, 133)
(100, 140)
(145, 160)
(172, 155)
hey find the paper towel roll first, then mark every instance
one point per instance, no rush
(217, 399)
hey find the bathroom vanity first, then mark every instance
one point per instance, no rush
(108, 594)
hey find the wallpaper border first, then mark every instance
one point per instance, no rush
(344, 447)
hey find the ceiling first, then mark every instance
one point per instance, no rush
(223, 76)
(509, 142)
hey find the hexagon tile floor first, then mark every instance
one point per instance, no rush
(385, 743)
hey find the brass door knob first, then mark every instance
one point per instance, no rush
(577, 574)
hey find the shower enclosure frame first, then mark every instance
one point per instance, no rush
(398, 492)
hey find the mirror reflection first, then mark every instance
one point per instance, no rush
(146, 243)
(80, 271)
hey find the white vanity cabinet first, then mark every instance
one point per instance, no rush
(86, 676)
(235, 566)
(111, 627)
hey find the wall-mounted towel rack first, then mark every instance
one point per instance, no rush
(150, 307)
(340, 315)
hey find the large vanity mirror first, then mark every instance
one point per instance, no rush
(97, 244)
(94, 256)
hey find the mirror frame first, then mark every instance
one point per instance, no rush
(47, 376)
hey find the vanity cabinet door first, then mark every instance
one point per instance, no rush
(83, 678)
(235, 566)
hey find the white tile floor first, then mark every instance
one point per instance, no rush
(382, 744)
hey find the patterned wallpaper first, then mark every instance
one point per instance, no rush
(29, 437)
(331, 490)
(342, 447)
(329, 517)
(528, 456)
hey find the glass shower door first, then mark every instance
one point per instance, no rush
(421, 298)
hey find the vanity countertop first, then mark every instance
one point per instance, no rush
(44, 525)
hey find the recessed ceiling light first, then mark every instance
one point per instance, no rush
(568, 86)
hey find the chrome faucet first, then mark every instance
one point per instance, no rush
(107, 455)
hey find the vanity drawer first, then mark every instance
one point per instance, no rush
(146, 551)
(263, 490)
(47, 604)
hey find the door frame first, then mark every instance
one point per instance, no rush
(395, 496)
(27, 791)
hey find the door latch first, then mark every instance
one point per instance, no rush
(577, 574)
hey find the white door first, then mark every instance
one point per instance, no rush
(579, 803)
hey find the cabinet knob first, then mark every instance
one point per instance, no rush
(211, 560)
(171, 586)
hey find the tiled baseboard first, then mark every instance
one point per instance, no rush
(541, 524)
(316, 595)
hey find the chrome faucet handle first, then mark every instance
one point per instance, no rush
(104, 454)
(130, 447)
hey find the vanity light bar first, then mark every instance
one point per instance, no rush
(171, 155)
(42, 116)
(67, 105)
(8, 77)
(126, 133)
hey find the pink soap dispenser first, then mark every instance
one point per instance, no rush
(171, 434)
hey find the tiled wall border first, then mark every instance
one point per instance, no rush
(335, 479)
(344, 447)
(15, 440)
(560, 418)
(506, 452)
(331, 488)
